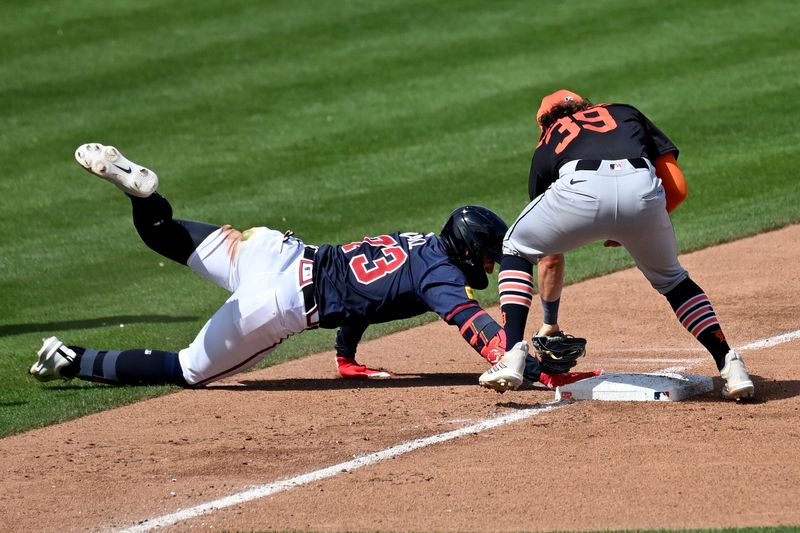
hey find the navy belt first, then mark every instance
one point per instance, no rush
(594, 164)
(309, 298)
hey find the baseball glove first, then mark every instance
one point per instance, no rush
(558, 353)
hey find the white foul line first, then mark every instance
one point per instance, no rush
(268, 489)
(763, 343)
(772, 341)
(657, 360)
(261, 491)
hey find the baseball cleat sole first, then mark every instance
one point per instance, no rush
(108, 163)
(507, 373)
(500, 384)
(743, 391)
(380, 375)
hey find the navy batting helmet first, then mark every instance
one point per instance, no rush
(470, 233)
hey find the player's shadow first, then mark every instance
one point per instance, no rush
(400, 381)
(89, 323)
(767, 390)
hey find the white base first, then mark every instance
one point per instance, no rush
(627, 387)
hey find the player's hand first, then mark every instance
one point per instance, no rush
(611, 244)
(492, 354)
(349, 368)
(495, 349)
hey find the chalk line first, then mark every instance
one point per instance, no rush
(261, 491)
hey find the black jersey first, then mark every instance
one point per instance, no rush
(385, 278)
(604, 131)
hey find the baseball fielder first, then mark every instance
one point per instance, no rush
(281, 286)
(604, 172)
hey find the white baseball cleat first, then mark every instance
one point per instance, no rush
(53, 357)
(108, 163)
(738, 384)
(507, 373)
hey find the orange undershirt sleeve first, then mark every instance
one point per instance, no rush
(672, 178)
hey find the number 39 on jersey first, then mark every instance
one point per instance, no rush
(566, 129)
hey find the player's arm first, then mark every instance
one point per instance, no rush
(479, 330)
(672, 179)
(445, 292)
(532, 179)
(538, 179)
(347, 338)
(550, 275)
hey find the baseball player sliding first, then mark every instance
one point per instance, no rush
(604, 172)
(281, 286)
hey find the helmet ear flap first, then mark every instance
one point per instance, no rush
(476, 277)
(470, 233)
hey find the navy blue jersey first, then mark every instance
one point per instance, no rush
(385, 278)
(604, 131)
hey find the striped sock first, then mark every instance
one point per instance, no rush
(515, 283)
(695, 313)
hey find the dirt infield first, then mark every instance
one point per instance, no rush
(580, 466)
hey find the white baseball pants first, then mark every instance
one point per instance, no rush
(262, 270)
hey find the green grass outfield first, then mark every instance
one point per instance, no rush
(338, 120)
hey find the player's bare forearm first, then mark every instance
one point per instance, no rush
(550, 272)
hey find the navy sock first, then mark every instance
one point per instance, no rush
(127, 367)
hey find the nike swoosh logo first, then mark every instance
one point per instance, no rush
(128, 170)
(574, 181)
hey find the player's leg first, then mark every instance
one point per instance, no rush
(208, 249)
(563, 218)
(647, 233)
(116, 367)
(694, 311)
(559, 220)
(219, 350)
(238, 336)
(267, 308)
(550, 276)
(174, 239)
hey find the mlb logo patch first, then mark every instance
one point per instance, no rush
(306, 272)
(617, 166)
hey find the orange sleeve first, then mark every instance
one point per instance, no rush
(672, 178)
